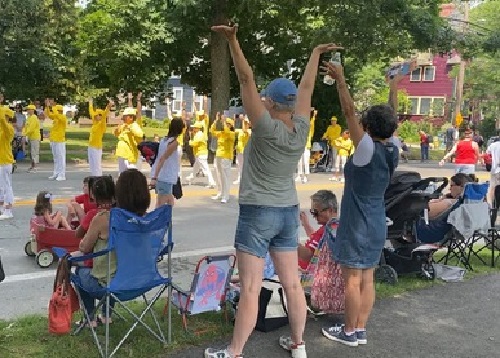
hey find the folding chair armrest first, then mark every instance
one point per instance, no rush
(180, 291)
(88, 256)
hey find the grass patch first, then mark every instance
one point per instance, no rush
(29, 337)
(410, 282)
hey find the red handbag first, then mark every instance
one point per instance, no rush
(64, 300)
(328, 287)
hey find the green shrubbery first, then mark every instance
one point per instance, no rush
(155, 123)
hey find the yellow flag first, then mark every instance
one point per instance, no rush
(459, 119)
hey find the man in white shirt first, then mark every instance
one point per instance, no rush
(494, 151)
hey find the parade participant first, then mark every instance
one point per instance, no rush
(269, 213)
(303, 166)
(243, 136)
(57, 138)
(99, 119)
(345, 148)
(200, 150)
(32, 133)
(7, 121)
(362, 231)
(223, 130)
(129, 135)
(138, 120)
(332, 133)
(19, 126)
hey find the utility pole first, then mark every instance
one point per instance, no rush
(461, 72)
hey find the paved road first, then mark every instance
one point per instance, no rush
(201, 226)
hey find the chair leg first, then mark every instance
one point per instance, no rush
(184, 321)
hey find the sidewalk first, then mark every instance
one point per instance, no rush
(454, 320)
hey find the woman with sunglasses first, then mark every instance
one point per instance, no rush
(362, 230)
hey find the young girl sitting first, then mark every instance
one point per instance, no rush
(44, 215)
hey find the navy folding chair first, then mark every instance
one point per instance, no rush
(138, 242)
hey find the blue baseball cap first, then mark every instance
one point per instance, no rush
(281, 90)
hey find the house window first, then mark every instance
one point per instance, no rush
(177, 100)
(438, 107)
(429, 73)
(198, 101)
(425, 106)
(416, 75)
(414, 105)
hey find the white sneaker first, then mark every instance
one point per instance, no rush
(333, 179)
(297, 350)
(7, 214)
(217, 197)
(32, 170)
(61, 178)
(304, 180)
(219, 353)
(210, 186)
(189, 179)
(342, 180)
(236, 182)
(52, 177)
(223, 201)
(297, 179)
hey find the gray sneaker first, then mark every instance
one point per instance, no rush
(334, 334)
(219, 353)
(362, 337)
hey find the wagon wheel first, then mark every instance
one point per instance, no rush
(387, 274)
(44, 258)
(27, 249)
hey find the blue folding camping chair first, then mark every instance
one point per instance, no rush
(137, 241)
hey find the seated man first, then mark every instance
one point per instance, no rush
(439, 209)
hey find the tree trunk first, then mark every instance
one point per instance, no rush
(220, 62)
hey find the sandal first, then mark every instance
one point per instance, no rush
(101, 322)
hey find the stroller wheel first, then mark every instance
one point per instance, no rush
(386, 274)
(428, 271)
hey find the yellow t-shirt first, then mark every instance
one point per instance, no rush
(225, 142)
(199, 144)
(6, 137)
(311, 133)
(32, 128)
(98, 127)
(129, 136)
(59, 122)
(344, 146)
(243, 137)
(332, 133)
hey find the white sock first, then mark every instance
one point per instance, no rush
(360, 329)
(349, 333)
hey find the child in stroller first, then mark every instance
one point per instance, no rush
(406, 198)
(319, 156)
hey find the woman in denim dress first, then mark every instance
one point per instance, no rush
(362, 230)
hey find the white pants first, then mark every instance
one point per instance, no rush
(332, 159)
(239, 161)
(201, 162)
(59, 157)
(340, 163)
(6, 192)
(35, 151)
(95, 161)
(123, 164)
(223, 176)
(303, 167)
(179, 151)
(140, 160)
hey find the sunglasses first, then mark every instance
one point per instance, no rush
(315, 212)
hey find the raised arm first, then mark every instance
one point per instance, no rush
(355, 128)
(91, 108)
(248, 89)
(306, 86)
(138, 116)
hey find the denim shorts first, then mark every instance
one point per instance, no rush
(163, 188)
(264, 228)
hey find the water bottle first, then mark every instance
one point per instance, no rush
(336, 59)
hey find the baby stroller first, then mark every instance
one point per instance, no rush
(319, 156)
(17, 151)
(406, 198)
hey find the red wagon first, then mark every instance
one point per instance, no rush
(43, 239)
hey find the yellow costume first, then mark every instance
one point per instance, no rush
(6, 136)
(98, 126)
(59, 122)
(225, 142)
(32, 128)
(129, 136)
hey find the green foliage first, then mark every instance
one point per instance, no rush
(154, 123)
(487, 128)
(409, 130)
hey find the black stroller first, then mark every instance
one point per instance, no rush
(406, 198)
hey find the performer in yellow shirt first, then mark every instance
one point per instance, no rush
(345, 148)
(304, 161)
(200, 150)
(332, 133)
(243, 136)
(6, 160)
(99, 118)
(223, 130)
(32, 133)
(139, 121)
(57, 138)
(129, 135)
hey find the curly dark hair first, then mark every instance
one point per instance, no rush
(132, 192)
(103, 189)
(379, 121)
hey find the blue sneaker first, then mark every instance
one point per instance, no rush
(362, 337)
(334, 334)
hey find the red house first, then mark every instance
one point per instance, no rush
(430, 87)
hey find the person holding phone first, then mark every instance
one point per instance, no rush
(268, 218)
(362, 229)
